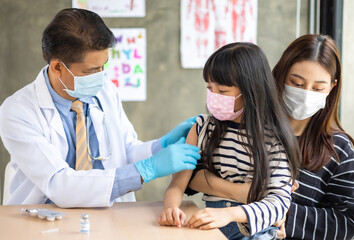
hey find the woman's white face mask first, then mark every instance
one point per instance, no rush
(306, 88)
(302, 103)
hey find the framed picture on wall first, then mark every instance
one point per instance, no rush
(113, 8)
(126, 66)
(206, 25)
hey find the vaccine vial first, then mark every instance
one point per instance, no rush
(85, 223)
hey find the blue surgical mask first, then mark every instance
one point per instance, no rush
(85, 86)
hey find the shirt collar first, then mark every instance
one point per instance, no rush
(62, 104)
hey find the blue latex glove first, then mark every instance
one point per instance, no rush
(174, 158)
(180, 131)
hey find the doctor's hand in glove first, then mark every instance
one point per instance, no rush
(172, 159)
(180, 131)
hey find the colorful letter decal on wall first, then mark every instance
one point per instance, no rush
(126, 66)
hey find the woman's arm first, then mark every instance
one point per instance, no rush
(333, 216)
(325, 222)
(274, 205)
(171, 214)
(206, 182)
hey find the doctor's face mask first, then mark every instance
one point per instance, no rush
(85, 86)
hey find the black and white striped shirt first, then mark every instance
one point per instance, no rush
(234, 164)
(323, 205)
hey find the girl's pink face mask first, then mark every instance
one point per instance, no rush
(222, 107)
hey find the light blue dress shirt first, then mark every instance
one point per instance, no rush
(127, 178)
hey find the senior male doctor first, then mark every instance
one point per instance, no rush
(68, 136)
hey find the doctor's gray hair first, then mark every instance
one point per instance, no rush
(72, 33)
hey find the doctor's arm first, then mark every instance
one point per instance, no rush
(42, 161)
(136, 149)
(151, 159)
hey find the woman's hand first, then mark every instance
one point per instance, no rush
(172, 217)
(281, 233)
(294, 186)
(209, 218)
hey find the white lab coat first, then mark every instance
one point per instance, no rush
(32, 132)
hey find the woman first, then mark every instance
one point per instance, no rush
(308, 76)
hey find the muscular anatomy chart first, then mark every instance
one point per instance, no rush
(206, 25)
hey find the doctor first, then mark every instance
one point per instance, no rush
(68, 136)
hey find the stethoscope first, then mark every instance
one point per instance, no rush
(88, 110)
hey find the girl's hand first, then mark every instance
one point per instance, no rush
(281, 232)
(295, 186)
(209, 218)
(172, 217)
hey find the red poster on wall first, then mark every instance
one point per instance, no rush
(206, 25)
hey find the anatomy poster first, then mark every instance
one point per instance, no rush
(206, 25)
(126, 66)
(113, 8)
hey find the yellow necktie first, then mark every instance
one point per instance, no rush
(83, 160)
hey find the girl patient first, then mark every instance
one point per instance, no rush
(246, 138)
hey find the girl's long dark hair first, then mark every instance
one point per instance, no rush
(245, 66)
(316, 143)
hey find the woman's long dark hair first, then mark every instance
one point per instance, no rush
(245, 66)
(316, 143)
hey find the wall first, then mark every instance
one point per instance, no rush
(173, 93)
(347, 110)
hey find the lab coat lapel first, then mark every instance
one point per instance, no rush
(97, 117)
(47, 106)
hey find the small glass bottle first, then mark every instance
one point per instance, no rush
(85, 223)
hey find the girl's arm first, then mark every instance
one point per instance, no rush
(256, 216)
(171, 214)
(206, 182)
